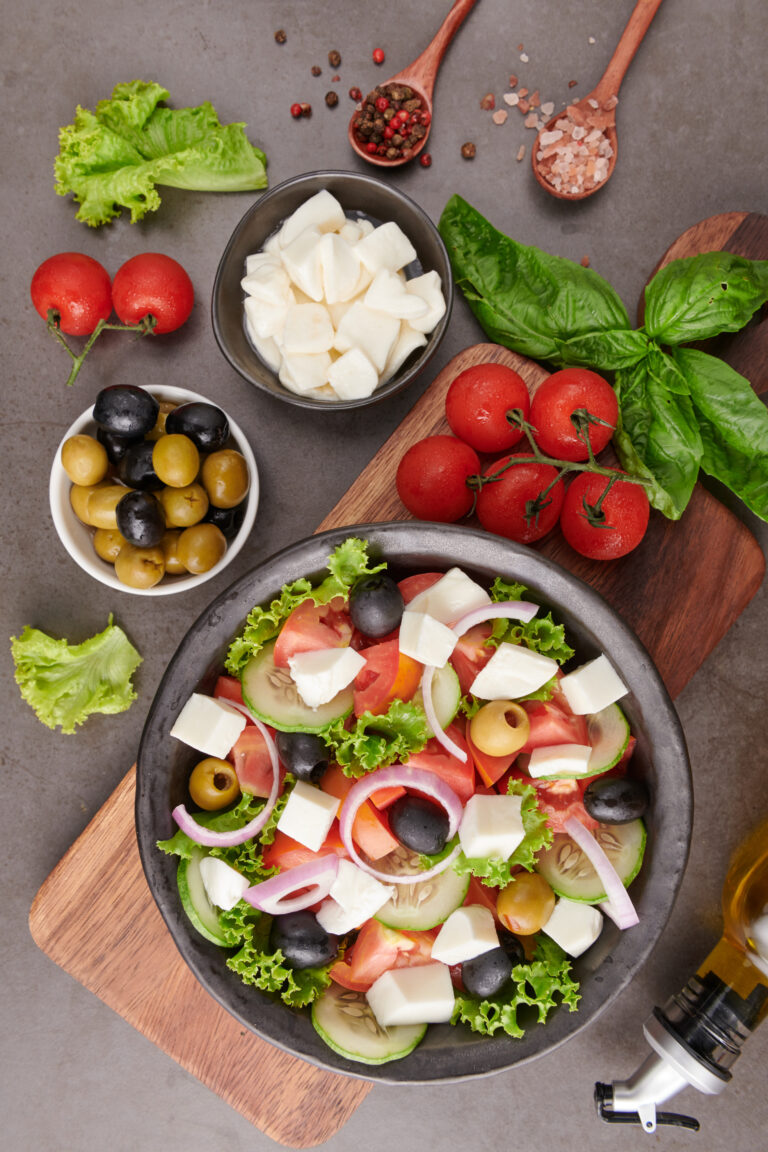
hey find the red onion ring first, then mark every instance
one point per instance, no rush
(621, 910)
(207, 836)
(439, 732)
(273, 895)
(410, 777)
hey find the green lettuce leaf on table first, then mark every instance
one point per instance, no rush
(497, 873)
(112, 158)
(66, 683)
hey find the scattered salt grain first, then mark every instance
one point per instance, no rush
(520, 153)
(499, 115)
(592, 40)
(524, 57)
(523, 92)
(511, 98)
(548, 108)
(513, 81)
(531, 120)
(524, 107)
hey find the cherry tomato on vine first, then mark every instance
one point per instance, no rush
(477, 404)
(511, 506)
(564, 393)
(156, 285)
(432, 477)
(77, 288)
(608, 528)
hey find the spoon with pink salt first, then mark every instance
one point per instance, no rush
(575, 152)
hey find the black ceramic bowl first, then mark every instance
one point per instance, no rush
(359, 195)
(592, 627)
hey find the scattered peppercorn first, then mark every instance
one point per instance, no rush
(306, 109)
(335, 79)
(488, 102)
(425, 159)
(296, 111)
(355, 94)
(378, 56)
(572, 83)
(468, 150)
(316, 70)
(334, 58)
(331, 99)
(584, 261)
(280, 36)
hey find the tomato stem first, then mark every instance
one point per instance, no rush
(145, 327)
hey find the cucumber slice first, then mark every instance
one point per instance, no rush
(194, 898)
(271, 694)
(345, 1021)
(446, 695)
(608, 733)
(426, 903)
(565, 867)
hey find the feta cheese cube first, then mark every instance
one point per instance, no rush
(210, 726)
(387, 294)
(491, 826)
(307, 330)
(511, 672)
(574, 926)
(371, 332)
(301, 260)
(429, 289)
(353, 376)
(425, 639)
(408, 341)
(263, 259)
(321, 675)
(303, 374)
(340, 266)
(386, 247)
(560, 760)
(355, 896)
(420, 995)
(593, 686)
(269, 283)
(450, 598)
(321, 212)
(308, 815)
(468, 932)
(264, 321)
(224, 886)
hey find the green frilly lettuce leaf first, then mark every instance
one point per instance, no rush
(541, 634)
(497, 873)
(257, 964)
(376, 741)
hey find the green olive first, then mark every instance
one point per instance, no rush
(526, 904)
(84, 460)
(140, 567)
(201, 547)
(101, 508)
(184, 507)
(500, 728)
(170, 547)
(213, 784)
(225, 476)
(165, 407)
(176, 460)
(79, 495)
(107, 543)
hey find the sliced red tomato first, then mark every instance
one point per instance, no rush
(471, 654)
(388, 675)
(489, 768)
(557, 799)
(252, 762)
(412, 585)
(228, 688)
(311, 627)
(377, 950)
(386, 796)
(370, 829)
(479, 893)
(459, 775)
(551, 725)
(285, 852)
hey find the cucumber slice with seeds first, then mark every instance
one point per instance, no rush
(345, 1021)
(425, 903)
(568, 871)
(194, 898)
(272, 696)
(608, 733)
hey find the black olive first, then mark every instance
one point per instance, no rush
(116, 446)
(205, 425)
(615, 799)
(302, 941)
(419, 824)
(512, 946)
(135, 468)
(303, 754)
(376, 605)
(229, 520)
(126, 410)
(140, 519)
(486, 974)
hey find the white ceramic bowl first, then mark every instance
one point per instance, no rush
(77, 537)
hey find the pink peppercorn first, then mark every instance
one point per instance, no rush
(296, 111)
(425, 159)
(378, 56)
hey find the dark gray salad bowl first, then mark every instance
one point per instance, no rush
(447, 1053)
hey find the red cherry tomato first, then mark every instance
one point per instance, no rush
(477, 404)
(508, 506)
(432, 478)
(617, 523)
(77, 288)
(156, 285)
(554, 403)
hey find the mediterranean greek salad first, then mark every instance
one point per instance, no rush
(407, 811)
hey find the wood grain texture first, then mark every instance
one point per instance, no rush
(94, 915)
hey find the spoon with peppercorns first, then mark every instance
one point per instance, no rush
(391, 125)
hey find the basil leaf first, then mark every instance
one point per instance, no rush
(657, 436)
(702, 296)
(734, 427)
(530, 301)
(602, 351)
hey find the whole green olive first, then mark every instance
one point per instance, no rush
(170, 547)
(140, 567)
(225, 477)
(500, 728)
(201, 547)
(526, 904)
(107, 543)
(213, 784)
(79, 495)
(184, 507)
(165, 407)
(176, 460)
(101, 506)
(84, 460)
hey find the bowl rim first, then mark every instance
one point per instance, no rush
(603, 627)
(62, 514)
(397, 382)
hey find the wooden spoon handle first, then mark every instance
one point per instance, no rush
(423, 71)
(631, 38)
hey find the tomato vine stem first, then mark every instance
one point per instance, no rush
(145, 327)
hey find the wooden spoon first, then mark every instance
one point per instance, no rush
(606, 95)
(421, 76)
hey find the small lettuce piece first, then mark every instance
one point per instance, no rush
(346, 564)
(66, 683)
(541, 634)
(376, 741)
(541, 984)
(497, 873)
(258, 965)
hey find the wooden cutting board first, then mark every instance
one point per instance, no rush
(94, 915)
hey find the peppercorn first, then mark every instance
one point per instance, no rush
(331, 99)
(425, 159)
(296, 111)
(378, 56)
(306, 109)
(316, 70)
(334, 58)
(468, 150)
(488, 102)
(355, 94)
(280, 36)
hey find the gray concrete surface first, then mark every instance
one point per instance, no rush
(75, 1077)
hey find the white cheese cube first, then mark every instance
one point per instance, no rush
(269, 283)
(386, 247)
(450, 598)
(210, 726)
(408, 341)
(308, 815)
(511, 672)
(371, 332)
(491, 826)
(267, 348)
(355, 896)
(264, 321)
(321, 675)
(353, 376)
(340, 266)
(574, 926)
(351, 232)
(307, 330)
(303, 374)
(429, 289)
(301, 260)
(321, 212)
(223, 885)
(468, 932)
(593, 686)
(271, 246)
(263, 259)
(420, 995)
(387, 294)
(425, 639)
(560, 760)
